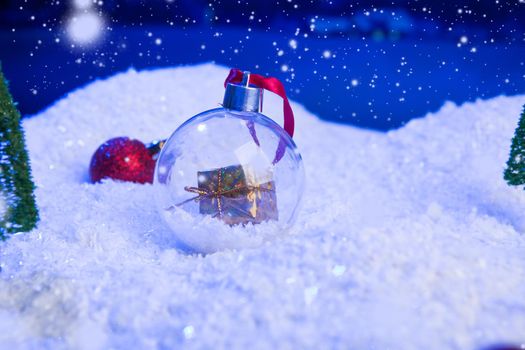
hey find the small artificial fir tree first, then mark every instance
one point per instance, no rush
(18, 211)
(515, 172)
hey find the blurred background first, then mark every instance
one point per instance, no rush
(374, 64)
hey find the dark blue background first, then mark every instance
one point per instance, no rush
(405, 59)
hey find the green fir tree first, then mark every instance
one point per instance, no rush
(515, 172)
(18, 211)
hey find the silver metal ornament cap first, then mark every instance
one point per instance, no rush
(243, 97)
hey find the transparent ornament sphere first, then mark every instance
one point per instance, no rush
(228, 179)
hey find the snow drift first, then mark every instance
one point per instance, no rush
(406, 240)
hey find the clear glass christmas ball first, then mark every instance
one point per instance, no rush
(228, 179)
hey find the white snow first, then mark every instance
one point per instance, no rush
(406, 240)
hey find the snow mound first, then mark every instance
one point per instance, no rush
(406, 240)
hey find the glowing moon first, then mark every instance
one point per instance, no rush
(83, 4)
(85, 28)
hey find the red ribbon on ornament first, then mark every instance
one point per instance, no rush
(273, 85)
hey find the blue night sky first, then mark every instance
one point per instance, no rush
(374, 64)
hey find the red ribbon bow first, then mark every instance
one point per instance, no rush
(273, 85)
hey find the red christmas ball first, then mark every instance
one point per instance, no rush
(123, 159)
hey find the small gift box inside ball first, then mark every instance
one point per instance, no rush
(234, 195)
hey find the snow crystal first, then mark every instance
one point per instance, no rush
(407, 240)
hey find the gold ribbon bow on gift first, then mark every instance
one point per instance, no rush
(252, 192)
(234, 195)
